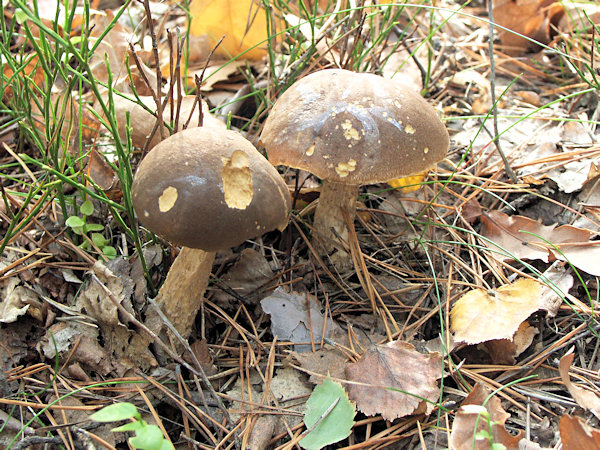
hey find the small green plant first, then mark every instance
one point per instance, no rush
(80, 226)
(147, 437)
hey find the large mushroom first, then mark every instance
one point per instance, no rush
(205, 189)
(351, 129)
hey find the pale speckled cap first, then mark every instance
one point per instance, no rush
(355, 128)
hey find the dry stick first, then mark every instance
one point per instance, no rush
(156, 95)
(507, 167)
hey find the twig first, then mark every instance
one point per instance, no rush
(507, 168)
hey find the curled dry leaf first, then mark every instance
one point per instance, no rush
(532, 18)
(469, 421)
(525, 238)
(504, 351)
(395, 380)
(480, 315)
(575, 434)
(584, 397)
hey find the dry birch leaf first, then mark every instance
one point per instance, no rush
(480, 315)
(525, 238)
(469, 421)
(584, 397)
(411, 376)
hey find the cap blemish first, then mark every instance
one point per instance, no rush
(237, 180)
(343, 169)
(409, 129)
(426, 150)
(310, 150)
(167, 199)
(349, 131)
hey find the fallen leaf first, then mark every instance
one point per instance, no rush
(127, 348)
(585, 398)
(327, 361)
(243, 23)
(250, 272)
(575, 434)
(395, 380)
(504, 351)
(524, 238)
(532, 18)
(297, 318)
(329, 416)
(14, 300)
(481, 315)
(469, 421)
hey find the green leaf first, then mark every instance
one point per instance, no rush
(497, 446)
(148, 438)
(115, 412)
(87, 208)
(94, 227)
(109, 251)
(327, 424)
(131, 426)
(75, 222)
(98, 240)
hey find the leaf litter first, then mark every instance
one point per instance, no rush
(278, 323)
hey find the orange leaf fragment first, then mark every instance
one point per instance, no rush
(412, 377)
(575, 434)
(468, 422)
(243, 23)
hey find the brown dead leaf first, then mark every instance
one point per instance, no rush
(480, 316)
(504, 351)
(585, 398)
(532, 18)
(250, 272)
(525, 238)
(327, 361)
(469, 421)
(398, 366)
(575, 434)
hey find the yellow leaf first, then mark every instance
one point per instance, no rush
(480, 315)
(242, 22)
(408, 184)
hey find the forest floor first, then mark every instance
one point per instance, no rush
(467, 316)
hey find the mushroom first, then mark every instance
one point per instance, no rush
(351, 129)
(205, 189)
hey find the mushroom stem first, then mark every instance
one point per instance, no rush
(182, 293)
(329, 225)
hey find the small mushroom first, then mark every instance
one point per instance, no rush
(205, 189)
(351, 129)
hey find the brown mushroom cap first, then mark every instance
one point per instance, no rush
(355, 128)
(209, 189)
